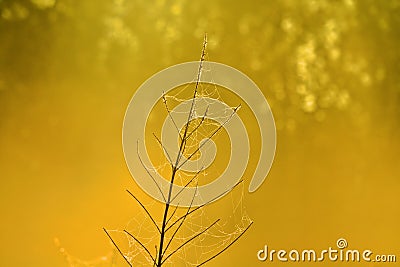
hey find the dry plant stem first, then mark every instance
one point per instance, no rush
(209, 137)
(148, 172)
(154, 264)
(163, 147)
(175, 166)
(162, 235)
(148, 213)
(230, 244)
(186, 185)
(160, 252)
(173, 213)
(120, 252)
(177, 229)
(201, 122)
(170, 116)
(190, 239)
(141, 244)
(199, 207)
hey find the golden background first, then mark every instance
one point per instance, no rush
(330, 72)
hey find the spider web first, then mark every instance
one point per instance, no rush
(209, 243)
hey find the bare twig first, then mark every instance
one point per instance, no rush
(181, 150)
(190, 115)
(187, 184)
(208, 202)
(145, 209)
(173, 213)
(230, 244)
(200, 123)
(180, 225)
(193, 237)
(116, 246)
(209, 137)
(148, 172)
(170, 115)
(163, 147)
(141, 244)
(155, 262)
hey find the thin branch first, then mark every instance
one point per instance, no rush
(200, 123)
(140, 243)
(172, 215)
(187, 184)
(160, 252)
(164, 221)
(180, 153)
(145, 209)
(180, 225)
(148, 172)
(210, 136)
(202, 58)
(193, 237)
(155, 262)
(120, 252)
(202, 205)
(170, 115)
(163, 147)
(230, 244)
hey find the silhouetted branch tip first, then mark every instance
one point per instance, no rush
(116, 246)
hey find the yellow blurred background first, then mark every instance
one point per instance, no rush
(330, 72)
